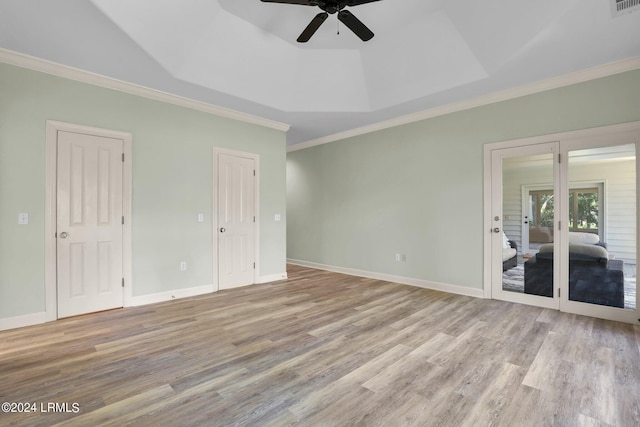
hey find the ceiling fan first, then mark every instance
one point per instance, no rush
(331, 7)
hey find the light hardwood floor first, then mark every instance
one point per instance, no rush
(324, 349)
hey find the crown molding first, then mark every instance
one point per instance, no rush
(582, 76)
(76, 74)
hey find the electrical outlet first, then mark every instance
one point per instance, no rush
(183, 266)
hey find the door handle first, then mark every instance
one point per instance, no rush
(496, 230)
(222, 229)
(64, 235)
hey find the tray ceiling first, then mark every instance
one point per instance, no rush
(242, 54)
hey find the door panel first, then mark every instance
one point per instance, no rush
(89, 225)
(518, 276)
(602, 242)
(236, 221)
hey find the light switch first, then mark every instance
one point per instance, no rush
(277, 217)
(200, 217)
(23, 218)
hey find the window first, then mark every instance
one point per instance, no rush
(584, 210)
(541, 203)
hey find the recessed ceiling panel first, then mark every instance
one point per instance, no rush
(496, 29)
(165, 29)
(424, 57)
(240, 58)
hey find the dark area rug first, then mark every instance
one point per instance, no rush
(513, 281)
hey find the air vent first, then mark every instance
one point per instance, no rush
(618, 7)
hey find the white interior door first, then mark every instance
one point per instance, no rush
(89, 223)
(236, 220)
(514, 275)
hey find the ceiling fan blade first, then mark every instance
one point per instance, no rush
(302, 2)
(312, 27)
(355, 25)
(357, 2)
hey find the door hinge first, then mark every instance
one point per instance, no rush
(254, 172)
(558, 292)
(123, 157)
(254, 265)
(122, 219)
(123, 282)
(559, 225)
(559, 158)
(254, 218)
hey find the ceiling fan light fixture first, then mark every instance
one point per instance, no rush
(331, 7)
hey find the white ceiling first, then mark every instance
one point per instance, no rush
(242, 54)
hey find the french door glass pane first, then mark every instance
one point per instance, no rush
(602, 251)
(528, 214)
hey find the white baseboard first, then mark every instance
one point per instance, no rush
(170, 295)
(272, 278)
(38, 318)
(192, 292)
(420, 283)
(21, 321)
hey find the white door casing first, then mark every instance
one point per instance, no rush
(88, 248)
(235, 232)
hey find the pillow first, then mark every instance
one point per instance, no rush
(505, 241)
(508, 254)
(589, 250)
(546, 248)
(577, 252)
(586, 238)
(579, 248)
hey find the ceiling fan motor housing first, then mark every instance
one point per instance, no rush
(331, 6)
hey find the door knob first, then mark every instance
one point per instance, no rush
(496, 230)
(64, 235)
(222, 229)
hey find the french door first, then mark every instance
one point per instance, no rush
(572, 205)
(515, 275)
(600, 227)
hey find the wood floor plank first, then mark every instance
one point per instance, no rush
(325, 349)
(494, 398)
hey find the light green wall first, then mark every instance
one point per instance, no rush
(417, 189)
(172, 183)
